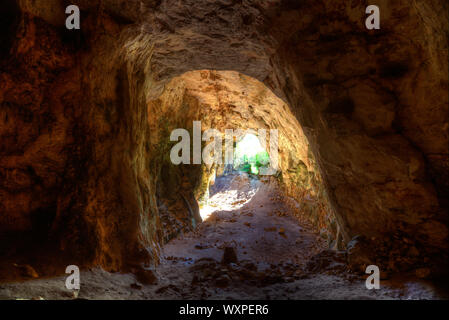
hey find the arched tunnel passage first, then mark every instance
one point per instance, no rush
(247, 156)
(273, 221)
(83, 164)
(250, 156)
(234, 105)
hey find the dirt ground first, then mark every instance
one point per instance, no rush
(250, 246)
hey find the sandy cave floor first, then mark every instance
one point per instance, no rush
(275, 258)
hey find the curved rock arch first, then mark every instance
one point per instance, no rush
(350, 110)
(373, 105)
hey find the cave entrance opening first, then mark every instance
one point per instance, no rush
(250, 155)
(237, 183)
(233, 204)
(241, 114)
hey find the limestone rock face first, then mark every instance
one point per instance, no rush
(225, 100)
(83, 148)
(358, 252)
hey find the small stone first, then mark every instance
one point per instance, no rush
(422, 273)
(195, 280)
(146, 277)
(358, 254)
(323, 233)
(229, 255)
(167, 288)
(27, 271)
(136, 286)
(250, 266)
(222, 281)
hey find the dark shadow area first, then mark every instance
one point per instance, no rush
(9, 22)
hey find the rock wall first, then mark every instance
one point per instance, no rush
(77, 140)
(375, 113)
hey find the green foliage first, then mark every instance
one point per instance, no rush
(253, 164)
(245, 168)
(250, 156)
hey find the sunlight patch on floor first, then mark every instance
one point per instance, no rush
(227, 200)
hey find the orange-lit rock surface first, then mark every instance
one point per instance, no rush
(82, 148)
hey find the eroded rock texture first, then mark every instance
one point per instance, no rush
(82, 143)
(228, 100)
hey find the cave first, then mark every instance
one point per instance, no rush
(358, 175)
